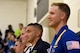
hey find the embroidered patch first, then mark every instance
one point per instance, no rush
(72, 45)
(34, 51)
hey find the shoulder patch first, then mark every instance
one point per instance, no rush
(72, 45)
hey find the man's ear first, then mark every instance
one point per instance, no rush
(63, 15)
(38, 33)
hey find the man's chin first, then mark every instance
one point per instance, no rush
(50, 25)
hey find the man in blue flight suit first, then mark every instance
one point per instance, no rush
(65, 40)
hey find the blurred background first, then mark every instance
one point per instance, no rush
(27, 11)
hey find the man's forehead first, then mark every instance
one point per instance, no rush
(30, 27)
(54, 7)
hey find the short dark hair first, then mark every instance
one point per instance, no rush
(64, 7)
(10, 26)
(21, 24)
(36, 25)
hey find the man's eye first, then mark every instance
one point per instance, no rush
(15, 45)
(51, 13)
(28, 31)
(22, 34)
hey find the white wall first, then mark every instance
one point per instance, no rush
(31, 19)
(30, 11)
(12, 12)
(73, 20)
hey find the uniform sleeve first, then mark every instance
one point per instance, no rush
(74, 51)
(71, 42)
(73, 46)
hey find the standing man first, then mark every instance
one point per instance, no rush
(33, 34)
(65, 40)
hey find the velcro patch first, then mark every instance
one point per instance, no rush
(72, 45)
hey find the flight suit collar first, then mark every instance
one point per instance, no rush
(60, 31)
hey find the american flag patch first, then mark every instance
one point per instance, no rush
(72, 45)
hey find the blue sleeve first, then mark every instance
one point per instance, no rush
(74, 51)
(73, 41)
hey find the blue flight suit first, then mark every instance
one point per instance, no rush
(66, 41)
